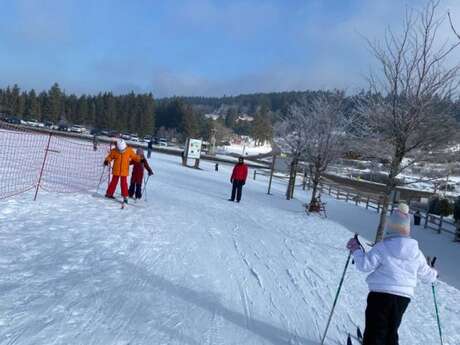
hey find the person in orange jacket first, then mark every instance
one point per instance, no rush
(121, 155)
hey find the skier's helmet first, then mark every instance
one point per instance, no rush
(121, 145)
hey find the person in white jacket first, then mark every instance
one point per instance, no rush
(395, 264)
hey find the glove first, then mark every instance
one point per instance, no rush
(150, 173)
(244, 182)
(106, 163)
(231, 180)
(142, 160)
(353, 245)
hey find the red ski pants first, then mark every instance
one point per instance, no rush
(113, 186)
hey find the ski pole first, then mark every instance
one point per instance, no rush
(433, 288)
(337, 295)
(144, 192)
(100, 179)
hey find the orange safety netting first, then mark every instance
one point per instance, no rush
(38, 159)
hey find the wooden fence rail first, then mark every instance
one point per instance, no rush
(431, 221)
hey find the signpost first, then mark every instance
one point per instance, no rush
(193, 151)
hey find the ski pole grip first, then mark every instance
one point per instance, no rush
(433, 261)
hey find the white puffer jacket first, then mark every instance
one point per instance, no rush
(395, 263)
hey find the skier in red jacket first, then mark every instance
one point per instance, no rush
(238, 179)
(137, 175)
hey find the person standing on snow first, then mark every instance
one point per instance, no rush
(149, 148)
(238, 179)
(457, 218)
(395, 263)
(137, 175)
(121, 156)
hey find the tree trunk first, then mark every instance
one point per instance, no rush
(390, 187)
(292, 177)
(315, 180)
(383, 217)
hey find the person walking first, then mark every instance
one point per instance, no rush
(238, 179)
(149, 148)
(395, 264)
(121, 155)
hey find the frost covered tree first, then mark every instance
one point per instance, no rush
(329, 132)
(291, 136)
(317, 132)
(404, 120)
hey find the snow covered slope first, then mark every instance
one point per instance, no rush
(185, 267)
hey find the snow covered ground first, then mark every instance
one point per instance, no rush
(244, 150)
(189, 267)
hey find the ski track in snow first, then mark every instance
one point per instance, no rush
(186, 267)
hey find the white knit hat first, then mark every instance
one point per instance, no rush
(403, 208)
(398, 223)
(121, 145)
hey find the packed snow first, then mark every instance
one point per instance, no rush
(186, 266)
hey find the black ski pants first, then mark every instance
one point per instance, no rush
(135, 189)
(237, 189)
(384, 313)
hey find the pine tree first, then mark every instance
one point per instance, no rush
(55, 104)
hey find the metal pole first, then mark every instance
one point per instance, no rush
(436, 304)
(272, 168)
(336, 298)
(145, 188)
(43, 166)
(100, 180)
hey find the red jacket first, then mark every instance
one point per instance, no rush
(137, 175)
(240, 172)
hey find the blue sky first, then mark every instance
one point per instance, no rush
(192, 47)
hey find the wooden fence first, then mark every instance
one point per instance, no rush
(372, 201)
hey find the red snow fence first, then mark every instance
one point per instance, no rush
(40, 159)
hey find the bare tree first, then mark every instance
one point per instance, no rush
(452, 26)
(404, 122)
(329, 131)
(316, 132)
(291, 136)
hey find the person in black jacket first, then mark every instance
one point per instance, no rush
(149, 148)
(457, 218)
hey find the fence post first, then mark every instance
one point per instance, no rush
(378, 206)
(255, 173)
(358, 199)
(272, 169)
(43, 166)
(346, 197)
(330, 190)
(426, 220)
(440, 224)
(367, 203)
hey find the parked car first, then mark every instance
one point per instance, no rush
(63, 128)
(125, 136)
(95, 131)
(146, 139)
(13, 120)
(114, 134)
(134, 138)
(105, 132)
(163, 142)
(77, 129)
